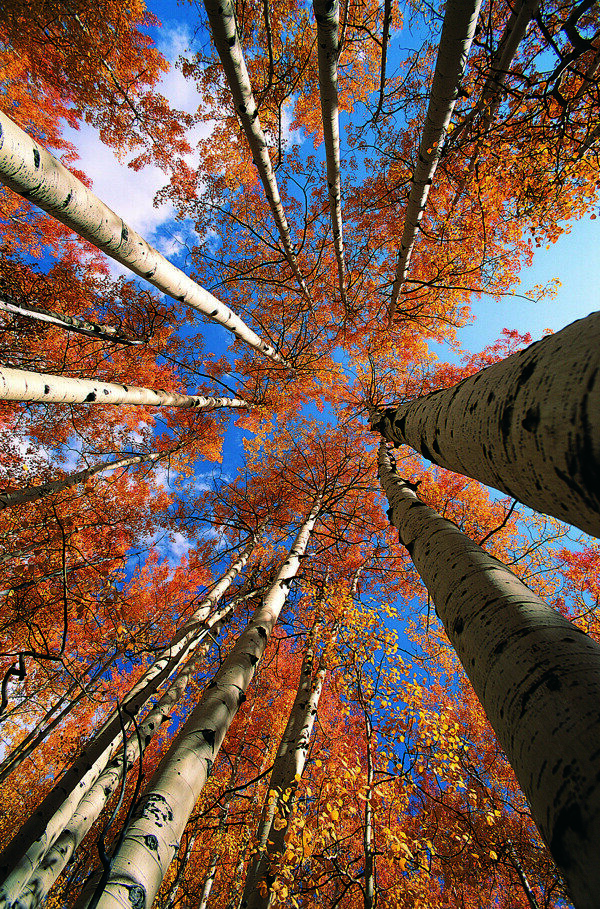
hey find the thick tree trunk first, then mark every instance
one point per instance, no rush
(24, 853)
(153, 836)
(287, 771)
(95, 800)
(528, 426)
(221, 16)
(10, 497)
(69, 323)
(30, 170)
(327, 16)
(43, 388)
(536, 674)
(457, 33)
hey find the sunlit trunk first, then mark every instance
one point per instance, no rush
(528, 425)
(457, 34)
(491, 94)
(221, 16)
(30, 170)
(10, 497)
(95, 800)
(536, 674)
(23, 854)
(287, 771)
(153, 836)
(43, 388)
(69, 323)
(327, 16)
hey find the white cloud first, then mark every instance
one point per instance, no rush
(179, 546)
(129, 193)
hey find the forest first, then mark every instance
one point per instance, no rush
(300, 595)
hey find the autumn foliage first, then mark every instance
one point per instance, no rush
(405, 798)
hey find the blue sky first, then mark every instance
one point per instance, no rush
(573, 259)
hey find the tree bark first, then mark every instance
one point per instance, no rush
(327, 17)
(288, 768)
(30, 170)
(43, 388)
(45, 726)
(491, 94)
(536, 674)
(69, 323)
(457, 34)
(153, 836)
(527, 426)
(23, 854)
(221, 16)
(94, 801)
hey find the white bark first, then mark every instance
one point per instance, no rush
(43, 388)
(153, 836)
(491, 93)
(288, 768)
(327, 16)
(536, 674)
(23, 854)
(30, 170)
(11, 497)
(457, 33)
(221, 16)
(527, 426)
(95, 800)
(69, 323)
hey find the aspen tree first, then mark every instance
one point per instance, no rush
(91, 805)
(153, 836)
(528, 425)
(30, 170)
(43, 388)
(536, 674)
(237, 878)
(369, 886)
(327, 17)
(288, 768)
(221, 16)
(23, 854)
(64, 706)
(211, 871)
(11, 497)
(491, 94)
(69, 323)
(457, 34)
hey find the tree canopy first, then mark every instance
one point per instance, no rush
(251, 656)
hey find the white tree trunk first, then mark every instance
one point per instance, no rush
(153, 836)
(491, 94)
(94, 801)
(288, 768)
(457, 33)
(221, 16)
(43, 388)
(528, 425)
(11, 497)
(30, 170)
(536, 674)
(327, 16)
(23, 854)
(69, 323)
